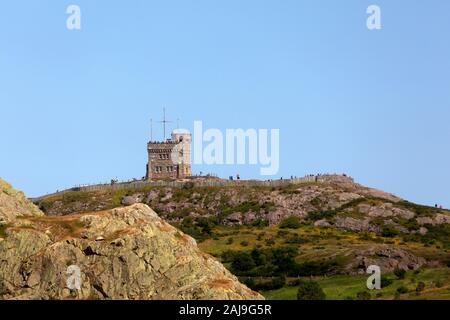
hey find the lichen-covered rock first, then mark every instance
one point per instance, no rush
(133, 199)
(14, 204)
(322, 223)
(124, 253)
(388, 259)
(437, 220)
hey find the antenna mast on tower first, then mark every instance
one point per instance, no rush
(151, 130)
(164, 122)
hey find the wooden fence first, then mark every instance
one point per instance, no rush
(197, 183)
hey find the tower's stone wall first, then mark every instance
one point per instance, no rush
(170, 159)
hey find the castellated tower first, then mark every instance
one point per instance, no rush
(171, 158)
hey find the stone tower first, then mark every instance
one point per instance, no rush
(170, 159)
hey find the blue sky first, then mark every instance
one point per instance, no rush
(75, 105)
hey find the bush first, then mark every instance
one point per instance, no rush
(365, 236)
(282, 233)
(290, 223)
(402, 290)
(45, 206)
(244, 243)
(284, 259)
(296, 239)
(230, 241)
(420, 287)
(242, 262)
(310, 290)
(259, 257)
(259, 223)
(228, 256)
(389, 231)
(400, 273)
(251, 283)
(200, 230)
(279, 282)
(386, 282)
(316, 268)
(363, 295)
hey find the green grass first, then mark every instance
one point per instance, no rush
(437, 286)
(76, 196)
(323, 245)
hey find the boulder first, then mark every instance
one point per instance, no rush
(388, 259)
(133, 199)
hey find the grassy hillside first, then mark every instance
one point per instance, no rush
(328, 232)
(326, 255)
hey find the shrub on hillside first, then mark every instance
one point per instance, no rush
(278, 282)
(321, 215)
(244, 243)
(290, 223)
(200, 229)
(259, 257)
(296, 239)
(385, 282)
(282, 233)
(402, 290)
(389, 231)
(242, 262)
(420, 287)
(310, 290)
(260, 223)
(400, 273)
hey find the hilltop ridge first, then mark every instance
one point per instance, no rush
(329, 201)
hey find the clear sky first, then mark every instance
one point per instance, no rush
(75, 105)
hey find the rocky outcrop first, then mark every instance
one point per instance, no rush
(124, 253)
(437, 220)
(13, 204)
(133, 199)
(388, 259)
(351, 224)
(385, 210)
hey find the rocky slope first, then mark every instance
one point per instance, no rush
(337, 202)
(124, 253)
